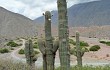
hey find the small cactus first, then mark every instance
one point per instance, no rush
(30, 54)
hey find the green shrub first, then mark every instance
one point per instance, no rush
(21, 51)
(35, 46)
(108, 43)
(104, 42)
(82, 43)
(35, 42)
(95, 48)
(12, 44)
(72, 51)
(36, 52)
(4, 50)
(71, 41)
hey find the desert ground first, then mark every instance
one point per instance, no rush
(90, 58)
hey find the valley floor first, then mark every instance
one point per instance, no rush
(90, 58)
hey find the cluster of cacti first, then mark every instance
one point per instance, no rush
(30, 54)
(63, 35)
(47, 47)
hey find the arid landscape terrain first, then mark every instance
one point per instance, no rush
(76, 36)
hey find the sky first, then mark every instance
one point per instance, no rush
(34, 8)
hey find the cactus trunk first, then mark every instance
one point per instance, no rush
(78, 50)
(63, 35)
(42, 48)
(49, 42)
(44, 63)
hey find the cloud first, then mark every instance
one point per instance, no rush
(34, 8)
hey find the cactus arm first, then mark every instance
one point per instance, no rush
(41, 45)
(55, 46)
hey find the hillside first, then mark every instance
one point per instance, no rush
(15, 25)
(85, 14)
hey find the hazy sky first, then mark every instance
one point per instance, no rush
(34, 8)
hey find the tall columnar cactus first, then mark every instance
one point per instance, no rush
(47, 47)
(79, 54)
(63, 35)
(30, 54)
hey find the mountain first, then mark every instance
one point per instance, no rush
(85, 14)
(15, 25)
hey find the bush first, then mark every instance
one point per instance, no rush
(95, 48)
(21, 51)
(35, 42)
(36, 52)
(12, 44)
(82, 43)
(71, 41)
(103, 42)
(35, 46)
(108, 43)
(12, 48)
(4, 50)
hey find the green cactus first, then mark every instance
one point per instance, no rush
(79, 50)
(63, 35)
(30, 54)
(47, 47)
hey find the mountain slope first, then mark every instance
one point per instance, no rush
(86, 14)
(15, 25)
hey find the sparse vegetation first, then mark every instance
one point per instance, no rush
(82, 43)
(35, 42)
(35, 46)
(104, 42)
(4, 50)
(107, 67)
(71, 41)
(12, 44)
(94, 48)
(21, 51)
(36, 52)
(108, 43)
(10, 65)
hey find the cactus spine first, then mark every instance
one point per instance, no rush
(30, 54)
(63, 35)
(47, 47)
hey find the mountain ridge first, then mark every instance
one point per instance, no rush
(14, 25)
(85, 14)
